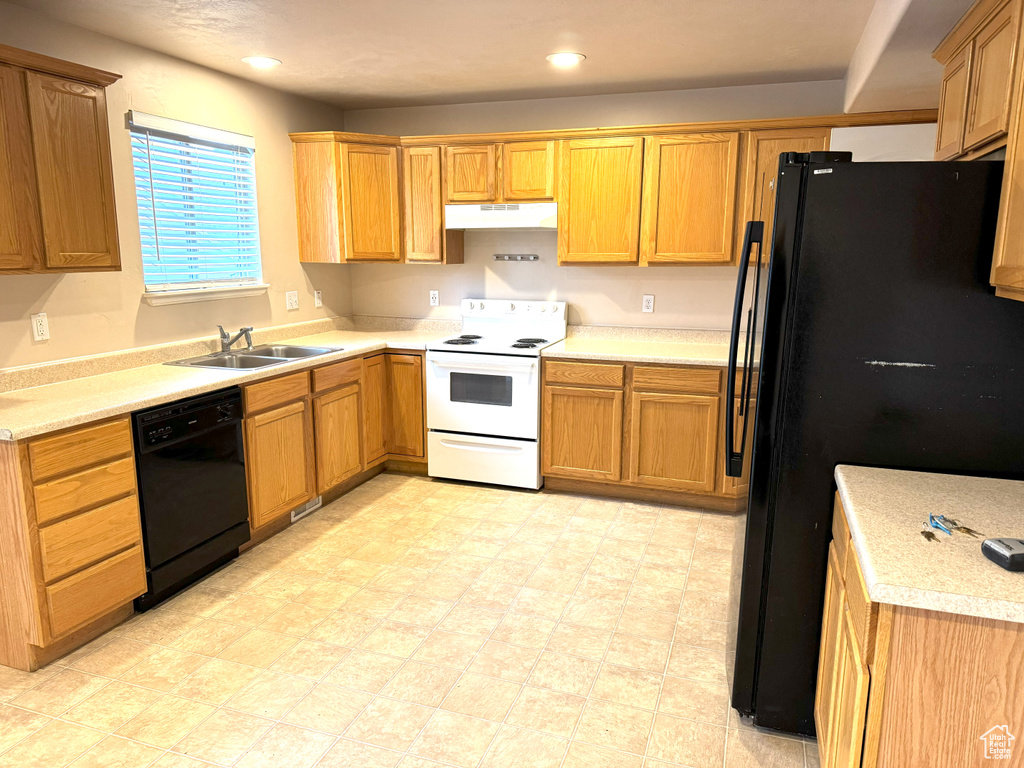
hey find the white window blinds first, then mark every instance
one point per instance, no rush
(196, 191)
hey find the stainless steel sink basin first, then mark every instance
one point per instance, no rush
(230, 361)
(258, 357)
(284, 350)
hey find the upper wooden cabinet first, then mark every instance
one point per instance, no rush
(689, 198)
(426, 239)
(515, 171)
(599, 200)
(56, 184)
(528, 170)
(978, 82)
(471, 172)
(347, 199)
(762, 168)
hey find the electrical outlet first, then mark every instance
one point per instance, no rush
(40, 327)
(648, 305)
(435, 299)
(291, 299)
(318, 299)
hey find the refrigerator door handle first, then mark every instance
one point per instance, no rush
(733, 457)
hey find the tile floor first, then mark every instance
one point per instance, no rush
(420, 624)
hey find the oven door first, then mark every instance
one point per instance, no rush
(483, 394)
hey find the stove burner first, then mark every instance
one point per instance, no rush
(521, 345)
(460, 340)
(531, 341)
(469, 336)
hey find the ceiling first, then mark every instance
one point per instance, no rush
(412, 52)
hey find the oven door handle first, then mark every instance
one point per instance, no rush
(496, 369)
(479, 447)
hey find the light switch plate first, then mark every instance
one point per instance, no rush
(648, 305)
(291, 299)
(435, 299)
(40, 327)
(318, 299)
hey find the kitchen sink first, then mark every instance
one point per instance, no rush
(258, 357)
(284, 350)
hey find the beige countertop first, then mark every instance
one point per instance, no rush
(636, 351)
(37, 410)
(887, 509)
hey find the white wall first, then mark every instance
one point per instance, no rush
(685, 297)
(736, 103)
(92, 313)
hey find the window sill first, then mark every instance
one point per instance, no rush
(163, 298)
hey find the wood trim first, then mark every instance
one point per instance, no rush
(878, 667)
(816, 121)
(639, 493)
(343, 137)
(53, 66)
(61, 647)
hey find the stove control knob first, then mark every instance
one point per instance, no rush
(543, 308)
(481, 305)
(511, 307)
(471, 305)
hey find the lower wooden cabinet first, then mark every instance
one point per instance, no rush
(337, 423)
(71, 558)
(582, 433)
(674, 440)
(405, 404)
(279, 460)
(657, 427)
(375, 411)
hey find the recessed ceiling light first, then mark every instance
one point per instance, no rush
(565, 59)
(261, 62)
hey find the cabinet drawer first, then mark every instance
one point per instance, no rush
(91, 593)
(331, 376)
(71, 451)
(84, 489)
(585, 374)
(74, 543)
(840, 534)
(704, 380)
(862, 610)
(267, 394)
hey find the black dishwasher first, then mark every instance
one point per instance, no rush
(192, 491)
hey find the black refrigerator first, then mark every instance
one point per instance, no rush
(871, 337)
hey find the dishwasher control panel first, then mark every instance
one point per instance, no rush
(186, 418)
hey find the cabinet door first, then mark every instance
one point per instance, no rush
(317, 201)
(528, 170)
(689, 198)
(76, 188)
(375, 416)
(988, 105)
(850, 701)
(581, 433)
(949, 141)
(337, 422)
(599, 201)
(20, 238)
(421, 190)
(674, 441)
(370, 202)
(470, 173)
(405, 404)
(762, 163)
(829, 657)
(279, 455)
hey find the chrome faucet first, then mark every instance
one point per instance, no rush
(227, 340)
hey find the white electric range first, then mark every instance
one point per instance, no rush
(483, 392)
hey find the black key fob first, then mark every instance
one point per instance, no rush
(1006, 553)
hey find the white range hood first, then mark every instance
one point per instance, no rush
(502, 216)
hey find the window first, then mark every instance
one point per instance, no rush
(196, 191)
